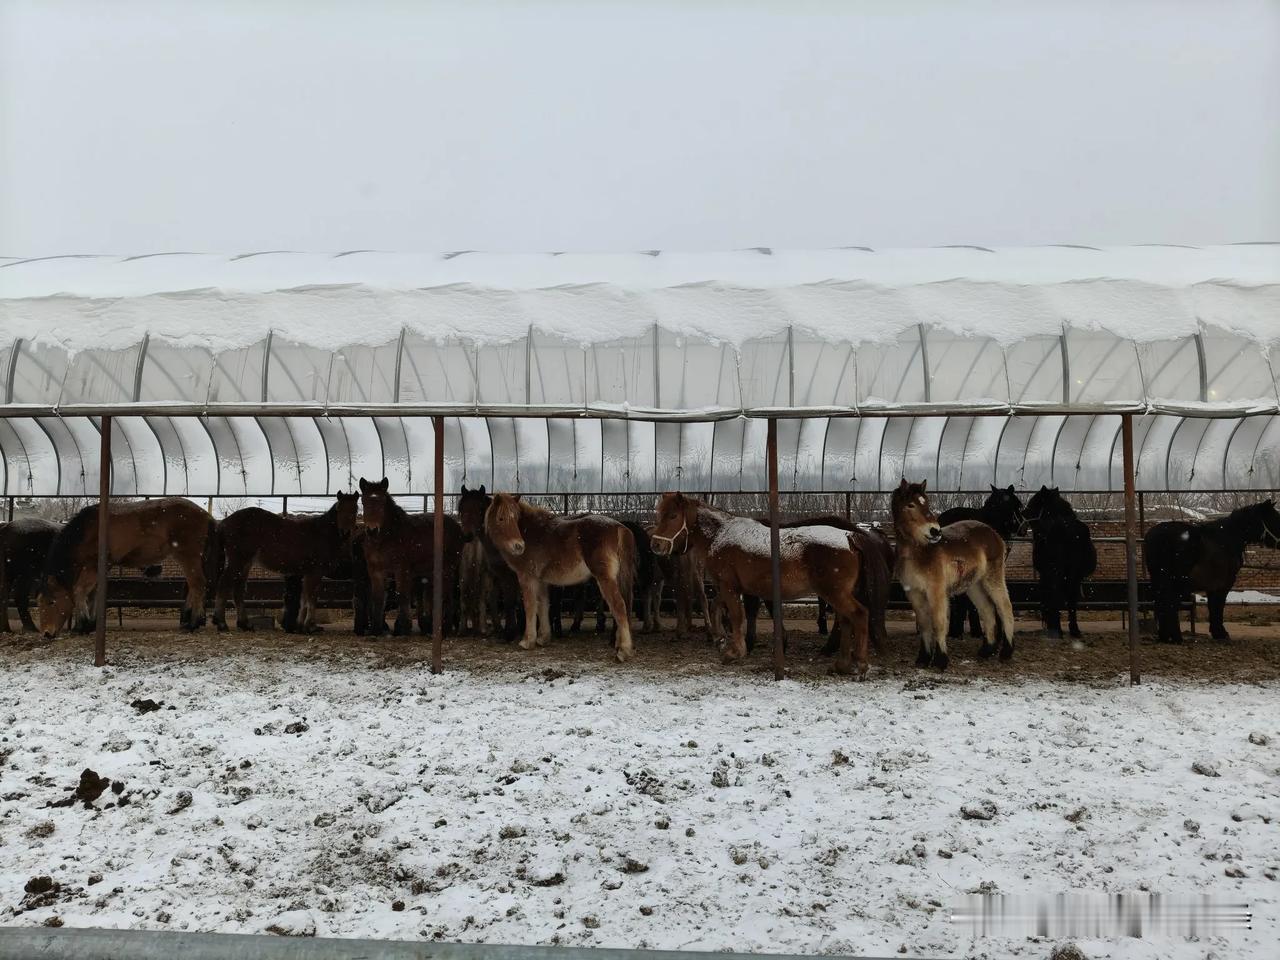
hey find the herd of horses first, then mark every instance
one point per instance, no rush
(511, 566)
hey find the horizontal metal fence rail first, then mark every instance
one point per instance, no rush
(41, 943)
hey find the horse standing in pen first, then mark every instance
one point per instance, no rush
(140, 534)
(544, 549)
(1003, 513)
(936, 562)
(877, 576)
(504, 587)
(1063, 555)
(400, 545)
(814, 560)
(296, 546)
(1182, 555)
(24, 544)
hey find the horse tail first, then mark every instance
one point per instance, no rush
(872, 588)
(627, 568)
(213, 559)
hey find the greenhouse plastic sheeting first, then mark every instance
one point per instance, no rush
(265, 456)
(283, 373)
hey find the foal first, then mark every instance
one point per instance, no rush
(544, 549)
(935, 563)
(814, 560)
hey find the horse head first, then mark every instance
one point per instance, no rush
(472, 505)
(671, 524)
(1045, 504)
(1269, 523)
(502, 524)
(913, 520)
(374, 499)
(55, 604)
(347, 512)
(1003, 511)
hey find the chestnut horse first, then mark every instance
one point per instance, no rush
(299, 546)
(401, 545)
(546, 550)
(814, 560)
(935, 563)
(141, 534)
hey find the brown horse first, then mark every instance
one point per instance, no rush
(814, 560)
(296, 546)
(400, 545)
(505, 588)
(140, 534)
(544, 550)
(936, 563)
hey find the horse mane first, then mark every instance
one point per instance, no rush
(60, 561)
(534, 511)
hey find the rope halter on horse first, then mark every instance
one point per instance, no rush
(671, 540)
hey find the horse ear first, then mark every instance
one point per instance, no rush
(1011, 490)
(364, 485)
(464, 488)
(1055, 489)
(903, 485)
(482, 489)
(385, 484)
(994, 488)
(924, 485)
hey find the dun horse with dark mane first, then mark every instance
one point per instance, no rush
(936, 563)
(817, 560)
(140, 534)
(306, 547)
(1203, 556)
(546, 550)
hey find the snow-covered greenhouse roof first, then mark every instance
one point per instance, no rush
(290, 373)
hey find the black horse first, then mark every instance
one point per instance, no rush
(1063, 555)
(1003, 513)
(472, 505)
(24, 543)
(1182, 556)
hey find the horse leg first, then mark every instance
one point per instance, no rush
(975, 622)
(1073, 601)
(924, 621)
(196, 584)
(853, 620)
(377, 604)
(22, 600)
(544, 612)
(822, 617)
(307, 606)
(4, 596)
(618, 607)
(579, 608)
(998, 591)
(834, 637)
(1051, 605)
(403, 626)
(530, 591)
(736, 646)
(985, 605)
(939, 616)
(751, 606)
(1217, 607)
(955, 622)
(1170, 630)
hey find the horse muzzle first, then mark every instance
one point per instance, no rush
(934, 535)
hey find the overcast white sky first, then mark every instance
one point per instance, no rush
(130, 127)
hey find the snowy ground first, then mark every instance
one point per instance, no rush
(670, 803)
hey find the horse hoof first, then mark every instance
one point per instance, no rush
(623, 655)
(1006, 652)
(923, 658)
(1053, 634)
(731, 657)
(838, 669)
(527, 644)
(985, 651)
(1223, 638)
(941, 660)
